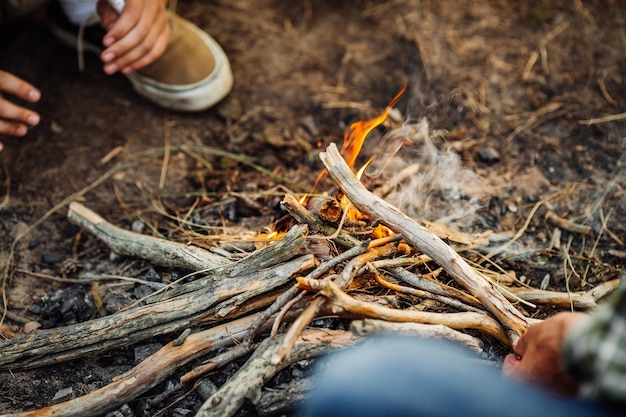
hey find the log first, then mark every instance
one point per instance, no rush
(44, 347)
(148, 373)
(250, 379)
(512, 320)
(160, 251)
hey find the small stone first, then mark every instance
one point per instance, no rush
(273, 136)
(308, 122)
(489, 155)
(206, 389)
(31, 326)
(142, 291)
(51, 258)
(138, 226)
(230, 108)
(56, 128)
(63, 393)
(182, 412)
(152, 275)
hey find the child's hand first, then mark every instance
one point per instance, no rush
(14, 120)
(135, 38)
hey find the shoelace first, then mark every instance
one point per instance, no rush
(80, 42)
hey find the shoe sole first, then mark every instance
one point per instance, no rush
(189, 98)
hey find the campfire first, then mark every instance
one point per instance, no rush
(351, 255)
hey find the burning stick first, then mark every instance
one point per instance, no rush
(302, 215)
(513, 321)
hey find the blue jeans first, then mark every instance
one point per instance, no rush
(399, 377)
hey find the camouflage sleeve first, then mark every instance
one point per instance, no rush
(594, 353)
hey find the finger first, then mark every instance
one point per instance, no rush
(11, 84)
(522, 345)
(10, 111)
(143, 48)
(12, 128)
(126, 22)
(108, 16)
(510, 364)
(147, 59)
(126, 50)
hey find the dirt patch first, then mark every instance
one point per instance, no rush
(510, 90)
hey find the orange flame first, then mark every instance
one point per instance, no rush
(355, 135)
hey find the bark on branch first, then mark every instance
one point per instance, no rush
(160, 251)
(148, 373)
(512, 320)
(248, 381)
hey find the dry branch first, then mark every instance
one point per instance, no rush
(512, 320)
(159, 251)
(368, 327)
(283, 299)
(248, 381)
(44, 347)
(452, 302)
(342, 280)
(302, 215)
(577, 300)
(565, 224)
(434, 287)
(148, 373)
(342, 302)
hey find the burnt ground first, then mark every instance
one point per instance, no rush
(304, 71)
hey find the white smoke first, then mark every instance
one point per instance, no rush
(423, 181)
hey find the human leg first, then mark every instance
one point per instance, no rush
(417, 377)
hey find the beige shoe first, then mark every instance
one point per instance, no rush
(193, 73)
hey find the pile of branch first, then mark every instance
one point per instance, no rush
(282, 285)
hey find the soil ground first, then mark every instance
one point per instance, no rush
(509, 87)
